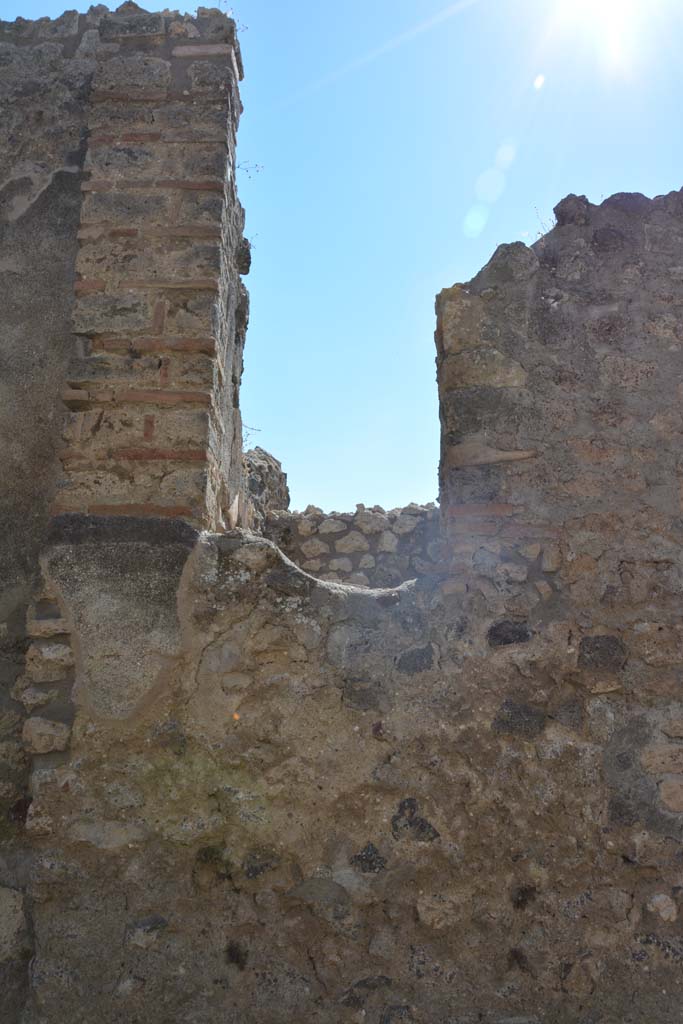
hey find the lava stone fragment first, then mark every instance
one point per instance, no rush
(237, 955)
(362, 694)
(393, 1014)
(258, 861)
(602, 653)
(406, 823)
(502, 634)
(356, 996)
(570, 714)
(522, 896)
(419, 659)
(369, 860)
(515, 719)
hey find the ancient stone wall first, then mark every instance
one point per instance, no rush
(160, 312)
(256, 796)
(122, 251)
(366, 548)
(265, 487)
(44, 76)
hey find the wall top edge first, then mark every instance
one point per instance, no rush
(128, 24)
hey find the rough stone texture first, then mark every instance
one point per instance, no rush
(43, 85)
(116, 184)
(368, 547)
(265, 487)
(329, 803)
(447, 789)
(160, 312)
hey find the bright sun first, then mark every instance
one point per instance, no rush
(611, 26)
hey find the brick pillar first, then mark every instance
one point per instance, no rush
(154, 427)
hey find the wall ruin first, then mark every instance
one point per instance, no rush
(366, 548)
(234, 791)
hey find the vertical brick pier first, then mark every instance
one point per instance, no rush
(160, 315)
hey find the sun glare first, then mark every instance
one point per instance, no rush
(612, 27)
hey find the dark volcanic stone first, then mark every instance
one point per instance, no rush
(393, 1014)
(259, 860)
(407, 823)
(570, 714)
(602, 653)
(502, 634)
(356, 996)
(522, 896)
(237, 955)
(369, 860)
(362, 694)
(419, 659)
(515, 719)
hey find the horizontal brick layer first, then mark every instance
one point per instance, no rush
(94, 231)
(74, 396)
(163, 343)
(137, 455)
(170, 136)
(145, 509)
(116, 185)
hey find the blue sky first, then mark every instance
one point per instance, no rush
(387, 147)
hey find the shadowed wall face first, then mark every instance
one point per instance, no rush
(43, 88)
(560, 372)
(127, 305)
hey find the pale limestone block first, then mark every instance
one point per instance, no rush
(332, 526)
(663, 905)
(552, 558)
(314, 547)
(41, 736)
(671, 793)
(312, 565)
(388, 543)
(370, 522)
(405, 524)
(341, 565)
(353, 541)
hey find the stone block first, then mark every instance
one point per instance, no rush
(199, 208)
(137, 76)
(13, 931)
(481, 367)
(116, 207)
(41, 736)
(332, 526)
(190, 313)
(102, 314)
(48, 661)
(663, 759)
(370, 522)
(313, 548)
(210, 78)
(131, 160)
(388, 542)
(134, 257)
(352, 542)
(341, 565)
(186, 371)
(405, 524)
(671, 793)
(132, 26)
